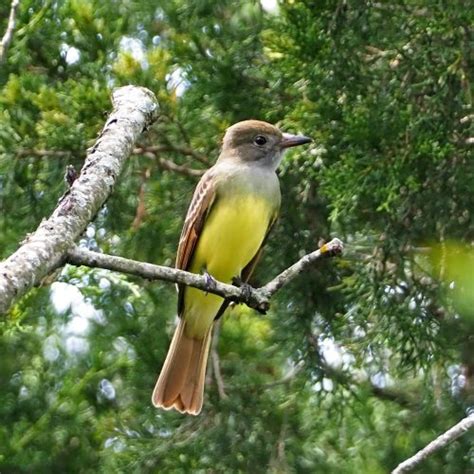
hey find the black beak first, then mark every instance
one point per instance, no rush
(290, 140)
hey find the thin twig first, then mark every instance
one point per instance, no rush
(8, 36)
(23, 152)
(170, 165)
(440, 442)
(141, 212)
(149, 152)
(216, 362)
(181, 150)
(256, 298)
(288, 377)
(335, 246)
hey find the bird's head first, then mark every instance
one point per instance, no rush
(260, 142)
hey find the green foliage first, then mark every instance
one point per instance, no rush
(361, 361)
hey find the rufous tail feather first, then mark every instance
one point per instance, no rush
(181, 381)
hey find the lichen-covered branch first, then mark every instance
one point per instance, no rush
(134, 110)
(8, 36)
(440, 442)
(256, 298)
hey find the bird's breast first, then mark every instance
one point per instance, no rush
(233, 234)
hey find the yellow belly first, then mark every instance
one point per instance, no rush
(232, 235)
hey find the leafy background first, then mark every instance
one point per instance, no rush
(361, 361)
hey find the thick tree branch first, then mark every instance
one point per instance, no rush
(440, 442)
(135, 109)
(256, 298)
(8, 36)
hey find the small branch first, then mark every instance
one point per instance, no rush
(390, 394)
(257, 299)
(466, 118)
(201, 158)
(168, 165)
(135, 109)
(440, 442)
(218, 375)
(43, 153)
(334, 247)
(141, 213)
(8, 36)
(79, 256)
(288, 377)
(216, 365)
(149, 152)
(181, 150)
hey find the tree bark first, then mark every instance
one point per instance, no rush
(256, 298)
(440, 442)
(8, 36)
(134, 110)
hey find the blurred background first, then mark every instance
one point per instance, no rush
(363, 359)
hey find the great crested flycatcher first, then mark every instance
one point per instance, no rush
(233, 208)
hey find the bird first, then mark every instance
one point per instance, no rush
(233, 208)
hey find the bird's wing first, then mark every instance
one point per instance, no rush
(201, 203)
(250, 267)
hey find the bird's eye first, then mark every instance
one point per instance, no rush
(260, 140)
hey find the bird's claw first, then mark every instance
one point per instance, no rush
(210, 281)
(245, 288)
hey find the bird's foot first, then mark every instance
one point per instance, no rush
(245, 288)
(210, 281)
